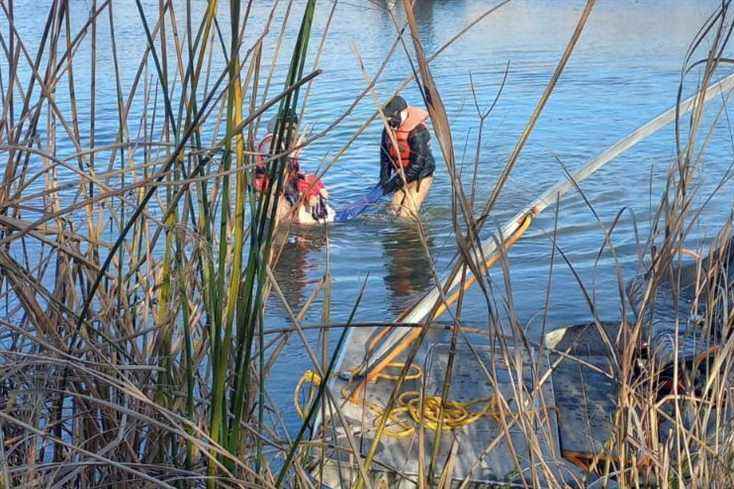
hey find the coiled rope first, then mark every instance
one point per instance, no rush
(409, 412)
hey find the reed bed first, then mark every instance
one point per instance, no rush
(134, 274)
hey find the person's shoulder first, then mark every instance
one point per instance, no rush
(420, 132)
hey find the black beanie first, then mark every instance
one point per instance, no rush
(393, 108)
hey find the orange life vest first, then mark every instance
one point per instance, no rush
(310, 186)
(401, 154)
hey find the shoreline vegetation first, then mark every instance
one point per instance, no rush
(133, 345)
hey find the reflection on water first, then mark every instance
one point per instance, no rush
(407, 265)
(298, 256)
(424, 18)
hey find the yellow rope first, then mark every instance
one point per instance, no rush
(407, 414)
(417, 372)
(308, 377)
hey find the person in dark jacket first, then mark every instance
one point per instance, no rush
(406, 161)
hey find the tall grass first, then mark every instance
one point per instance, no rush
(134, 273)
(149, 325)
(134, 280)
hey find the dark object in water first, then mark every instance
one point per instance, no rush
(684, 314)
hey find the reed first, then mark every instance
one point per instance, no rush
(135, 273)
(168, 308)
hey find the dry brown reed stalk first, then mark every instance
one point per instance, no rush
(672, 427)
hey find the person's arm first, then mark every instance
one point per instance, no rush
(386, 164)
(422, 163)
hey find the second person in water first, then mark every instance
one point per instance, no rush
(406, 161)
(303, 198)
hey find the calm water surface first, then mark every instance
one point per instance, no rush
(624, 72)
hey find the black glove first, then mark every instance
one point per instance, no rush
(318, 211)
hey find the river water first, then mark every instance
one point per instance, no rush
(624, 71)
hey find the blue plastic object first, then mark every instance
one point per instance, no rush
(357, 208)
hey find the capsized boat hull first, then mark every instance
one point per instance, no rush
(560, 415)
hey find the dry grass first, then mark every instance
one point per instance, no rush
(132, 346)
